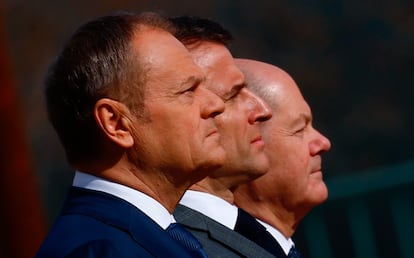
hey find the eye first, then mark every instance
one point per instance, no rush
(190, 85)
(300, 131)
(234, 93)
(190, 90)
(233, 96)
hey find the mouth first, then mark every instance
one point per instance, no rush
(257, 140)
(212, 133)
(316, 164)
(318, 170)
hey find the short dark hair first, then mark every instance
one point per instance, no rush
(96, 62)
(192, 29)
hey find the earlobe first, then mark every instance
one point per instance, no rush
(110, 117)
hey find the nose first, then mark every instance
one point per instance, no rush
(261, 111)
(320, 144)
(212, 104)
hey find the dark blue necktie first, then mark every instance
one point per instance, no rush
(186, 239)
(294, 253)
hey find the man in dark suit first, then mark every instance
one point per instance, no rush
(136, 122)
(207, 209)
(294, 183)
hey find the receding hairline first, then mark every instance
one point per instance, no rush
(260, 78)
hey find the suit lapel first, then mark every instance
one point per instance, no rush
(160, 243)
(250, 228)
(218, 232)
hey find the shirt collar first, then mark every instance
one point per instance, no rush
(145, 203)
(285, 243)
(212, 206)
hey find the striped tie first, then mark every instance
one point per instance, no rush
(186, 239)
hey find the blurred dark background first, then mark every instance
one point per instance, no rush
(353, 61)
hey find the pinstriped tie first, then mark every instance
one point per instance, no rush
(186, 239)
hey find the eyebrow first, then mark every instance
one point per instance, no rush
(234, 91)
(193, 80)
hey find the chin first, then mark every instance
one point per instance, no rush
(322, 195)
(261, 167)
(319, 194)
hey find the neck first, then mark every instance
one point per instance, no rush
(283, 221)
(274, 214)
(152, 183)
(214, 187)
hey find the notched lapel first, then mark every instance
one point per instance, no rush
(219, 233)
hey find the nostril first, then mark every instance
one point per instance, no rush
(263, 118)
(214, 114)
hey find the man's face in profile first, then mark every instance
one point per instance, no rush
(178, 135)
(238, 124)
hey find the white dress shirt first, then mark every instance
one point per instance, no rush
(212, 206)
(145, 203)
(285, 243)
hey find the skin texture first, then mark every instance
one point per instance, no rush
(294, 182)
(238, 124)
(175, 142)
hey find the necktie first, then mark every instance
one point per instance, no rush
(250, 228)
(294, 253)
(186, 239)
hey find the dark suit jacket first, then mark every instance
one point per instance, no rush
(97, 224)
(249, 227)
(217, 239)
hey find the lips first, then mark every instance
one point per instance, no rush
(316, 163)
(212, 132)
(257, 140)
(316, 170)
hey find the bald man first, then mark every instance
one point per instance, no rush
(281, 198)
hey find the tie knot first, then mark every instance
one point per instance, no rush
(185, 238)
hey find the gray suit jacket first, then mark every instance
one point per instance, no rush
(217, 240)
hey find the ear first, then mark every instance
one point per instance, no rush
(110, 117)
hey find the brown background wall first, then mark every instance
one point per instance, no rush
(353, 60)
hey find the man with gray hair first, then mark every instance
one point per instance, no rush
(137, 124)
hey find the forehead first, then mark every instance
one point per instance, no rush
(157, 47)
(164, 56)
(218, 65)
(286, 100)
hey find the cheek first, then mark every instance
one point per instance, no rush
(284, 156)
(186, 123)
(231, 127)
(230, 119)
(298, 160)
(288, 154)
(293, 170)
